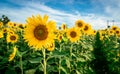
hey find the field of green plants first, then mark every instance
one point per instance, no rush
(39, 47)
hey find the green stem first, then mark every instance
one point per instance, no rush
(44, 61)
(60, 58)
(59, 65)
(71, 51)
(21, 66)
(70, 59)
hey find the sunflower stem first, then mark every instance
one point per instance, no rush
(44, 61)
(21, 66)
(60, 58)
(71, 51)
(71, 54)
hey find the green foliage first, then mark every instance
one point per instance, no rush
(100, 63)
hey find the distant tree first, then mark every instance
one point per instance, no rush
(4, 19)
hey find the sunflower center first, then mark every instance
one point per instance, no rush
(64, 27)
(41, 32)
(94, 31)
(80, 25)
(111, 31)
(86, 28)
(73, 34)
(114, 28)
(60, 37)
(117, 32)
(12, 38)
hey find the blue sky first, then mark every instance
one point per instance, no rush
(95, 12)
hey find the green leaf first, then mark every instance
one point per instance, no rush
(10, 72)
(36, 60)
(30, 71)
(68, 63)
(81, 59)
(63, 69)
(77, 72)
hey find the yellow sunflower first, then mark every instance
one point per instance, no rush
(11, 32)
(21, 26)
(73, 34)
(10, 24)
(5, 30)
(87, 29)
(1, 24)
(1, 34)
(80, 24)
(59, 38)
(63, 26)
(38, 32)
(110, 32)
(51, 47)
(93, 32)
(12, 55)
(12, 38)
(114, 28)
(117, 32)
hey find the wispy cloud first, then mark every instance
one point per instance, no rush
(29, 9)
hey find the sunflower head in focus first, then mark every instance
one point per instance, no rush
(12, 38)
(38, 32)
(73, 34)
(80, 24)
(12, 55)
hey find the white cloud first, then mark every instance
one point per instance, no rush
(29, 9)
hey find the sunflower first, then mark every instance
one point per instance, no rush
(12, 55)
(38, 32)
(1, 24)
(110, 32)
(87, 29)
(11, 32)
(5, 30)
(117, 32)
(21, 26)
(12, 38)
(93, 32)
(73, 34)
(80, 24)
(63, 26)
(10, 24)
(114, 28)
(1, 34)
(51, 47)
(59, 38)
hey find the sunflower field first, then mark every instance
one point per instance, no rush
(39, 47)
